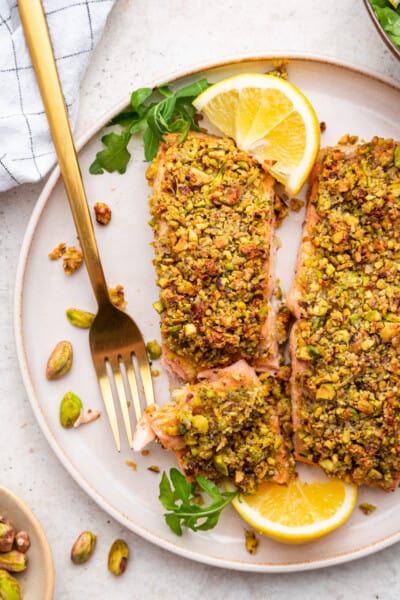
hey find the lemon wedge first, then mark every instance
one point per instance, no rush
(269, 118)
(394, 3)
(299, 512)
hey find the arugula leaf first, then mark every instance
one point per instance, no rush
(152, 116)
(177, 495)
(138, 97)
(115, 154)
(389, 18)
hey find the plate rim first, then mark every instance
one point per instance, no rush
(96, 496)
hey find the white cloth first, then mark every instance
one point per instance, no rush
(26, 149)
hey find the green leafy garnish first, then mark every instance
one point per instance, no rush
(389, 17)
(153, 117)
(180, 500)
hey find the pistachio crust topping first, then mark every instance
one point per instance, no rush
(212, 217)
(347, 337)
(234, 429)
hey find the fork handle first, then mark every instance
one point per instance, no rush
(38, 39)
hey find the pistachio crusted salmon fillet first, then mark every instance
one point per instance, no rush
(212, 213)
(346, 299)
(231, 424)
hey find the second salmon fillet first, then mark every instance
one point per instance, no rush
(346, 298)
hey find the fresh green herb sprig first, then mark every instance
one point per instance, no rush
(178, 497)
(173, 113)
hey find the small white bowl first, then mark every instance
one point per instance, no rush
(37, 581)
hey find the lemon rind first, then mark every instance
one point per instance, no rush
(294, 180)
(304, 533)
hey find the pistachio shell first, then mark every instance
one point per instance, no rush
(60, 360)
(70, 409)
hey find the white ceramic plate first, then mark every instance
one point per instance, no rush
(348, 101)
(37, 581)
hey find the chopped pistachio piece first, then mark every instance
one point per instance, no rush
(367, 508)
(79, 318)
(153, 349)
(252, 542)
(72, 260)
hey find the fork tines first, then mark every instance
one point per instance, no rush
(118, 379)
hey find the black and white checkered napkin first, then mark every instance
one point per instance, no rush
(26, 149)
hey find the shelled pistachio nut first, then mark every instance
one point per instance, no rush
(9, 587)
(60, 360)
(83, 547)
(22, 541)
(118, 557)
(13, 561)
(7, 535)
(70, 409)
(79, 318)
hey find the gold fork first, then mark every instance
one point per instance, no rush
(114, 337)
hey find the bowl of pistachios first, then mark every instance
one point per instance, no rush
(26, 562)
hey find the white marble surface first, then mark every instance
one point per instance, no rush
(146, 39)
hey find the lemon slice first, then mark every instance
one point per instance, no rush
(269, 118)
(298, 512)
